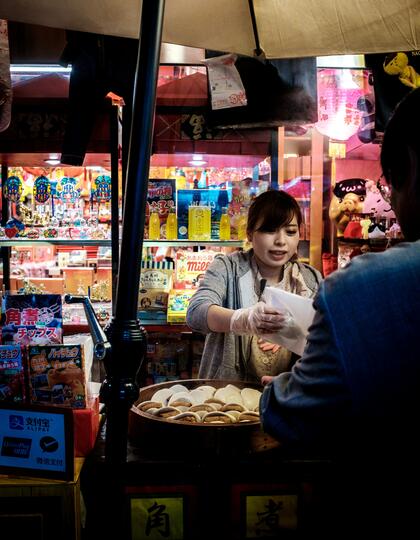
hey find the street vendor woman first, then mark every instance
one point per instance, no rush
(227, 306)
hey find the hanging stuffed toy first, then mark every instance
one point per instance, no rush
(102, 190)
(42, 189)
(374, 203)
(13, 189)
(101, 193)
(68, 190)
(398, 64)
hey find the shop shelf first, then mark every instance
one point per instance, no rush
(191, 243)
(149, 325)
(53, 241)
(146, 243)
(371, 241)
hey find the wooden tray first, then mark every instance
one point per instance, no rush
(174, 437)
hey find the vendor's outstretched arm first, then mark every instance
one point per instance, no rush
(218, 318)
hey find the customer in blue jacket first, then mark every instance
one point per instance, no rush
(355, 392)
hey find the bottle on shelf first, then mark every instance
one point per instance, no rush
(224, 227)
(242, 223)
(171, 225)
(199, 222)
(181, 180)
(154, 224)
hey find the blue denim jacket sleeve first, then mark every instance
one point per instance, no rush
(309, 405)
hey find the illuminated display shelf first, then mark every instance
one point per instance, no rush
(53, 241)
(146, 243)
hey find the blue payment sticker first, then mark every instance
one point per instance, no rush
(32, 439)
(16, 421)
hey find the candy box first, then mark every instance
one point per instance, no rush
(57, 375)
(191, 267)
(12, 387)
(155, 284)
(152, 300)
(32, 319)
(161, 196)
(178, 304)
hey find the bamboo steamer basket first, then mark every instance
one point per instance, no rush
(164, 437)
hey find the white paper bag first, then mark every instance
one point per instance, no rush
(301, 311)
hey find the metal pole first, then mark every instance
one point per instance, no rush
(115, 221)
(139, 159)
(5, 251)
(128, 339)
(274, 154)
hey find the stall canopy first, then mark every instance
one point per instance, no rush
(282, 28)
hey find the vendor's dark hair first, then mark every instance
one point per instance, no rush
(400, 138)
(274, 209)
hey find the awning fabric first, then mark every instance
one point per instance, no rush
(286, 28)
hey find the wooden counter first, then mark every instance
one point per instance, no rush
(41, 509)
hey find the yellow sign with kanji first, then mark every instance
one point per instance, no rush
(157, 518)
(268, 515)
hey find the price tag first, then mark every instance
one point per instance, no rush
(157, 517)
(267, 511)
(162, 511)
(270, 515)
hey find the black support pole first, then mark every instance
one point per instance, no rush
(274, 155)
(127, 338)
(115, 220)
(5, 251)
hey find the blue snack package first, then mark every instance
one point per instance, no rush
(12, 387)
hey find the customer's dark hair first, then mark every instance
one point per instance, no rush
(272, 210)
(402, 136)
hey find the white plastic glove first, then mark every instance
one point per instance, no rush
(289, 327)
(257, 319)
(290, 336)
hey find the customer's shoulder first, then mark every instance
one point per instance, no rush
(403, 259)
(399, 257)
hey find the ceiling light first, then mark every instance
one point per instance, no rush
(197, 159)
(341, 61)
(197, 162)
(20, 68)
(52, 161)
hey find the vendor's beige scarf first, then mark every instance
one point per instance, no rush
(267, 362)
(291, 279)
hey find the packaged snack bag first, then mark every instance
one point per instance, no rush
(12, 388)
(57, 375)
(178, 304)
(32, 319)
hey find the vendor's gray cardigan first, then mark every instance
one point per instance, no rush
(229, 282)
